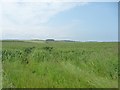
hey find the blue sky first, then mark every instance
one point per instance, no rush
(75, 21)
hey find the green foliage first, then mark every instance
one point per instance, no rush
(59, 64)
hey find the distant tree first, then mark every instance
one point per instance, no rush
(50, 40)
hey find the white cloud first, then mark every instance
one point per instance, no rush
(22, 19)
(39, 32)
(32, 13)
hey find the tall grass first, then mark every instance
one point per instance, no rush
(0, 65)
(60, 65)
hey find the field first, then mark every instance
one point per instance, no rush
(0, 65)
(59, 64)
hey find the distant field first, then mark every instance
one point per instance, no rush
(59, 64)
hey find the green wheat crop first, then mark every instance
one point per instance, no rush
(59, 64)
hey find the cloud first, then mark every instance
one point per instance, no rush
(28, 19)
(39, 32)
(26, 13)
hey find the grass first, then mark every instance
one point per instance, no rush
(60, 64)
(0, 65)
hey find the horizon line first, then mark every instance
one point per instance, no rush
(62, 40)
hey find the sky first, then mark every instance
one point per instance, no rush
(80, 21)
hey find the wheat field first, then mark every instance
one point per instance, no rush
(59, 64)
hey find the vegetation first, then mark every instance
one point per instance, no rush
(0, 65)
(59, 64)
(50, 40)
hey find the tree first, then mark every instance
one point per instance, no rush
(50, 40)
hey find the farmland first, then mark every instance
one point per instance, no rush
(59, 64)
(0, 65)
